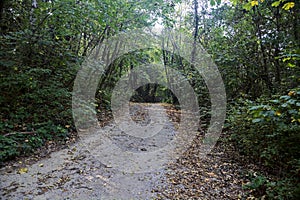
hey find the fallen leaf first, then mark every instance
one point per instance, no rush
(23, 170)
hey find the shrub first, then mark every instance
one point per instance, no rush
(22, 143)
(267, 131)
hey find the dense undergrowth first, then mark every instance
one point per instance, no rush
(268, 133)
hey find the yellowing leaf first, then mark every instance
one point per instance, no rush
(23, 170)
(295, 120)
(277, 113)
(291, 93)
(254, 3)
(288, 6)
(276, 3)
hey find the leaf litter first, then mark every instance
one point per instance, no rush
(72, 172)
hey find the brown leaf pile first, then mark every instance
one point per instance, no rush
(217, 176)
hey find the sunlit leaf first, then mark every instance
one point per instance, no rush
(291, 65)
(276, 3)
(254, 3)
(277, 113)
(247, 6)
(288, 6)
(285, 59)
(235, 2)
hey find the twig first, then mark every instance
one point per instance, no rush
(14, 133)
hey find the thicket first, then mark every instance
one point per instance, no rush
(267, 132)
(257, 48)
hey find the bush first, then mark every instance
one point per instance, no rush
(22, 143)
(262, 186)
(267, 131)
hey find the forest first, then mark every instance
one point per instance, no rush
(255, 45)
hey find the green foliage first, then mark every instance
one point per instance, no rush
(22, 143)
(214, 2)
(262, 186)
(268, 132)
(257, 183)
(239, 39)
(42, 47)
(248, 4)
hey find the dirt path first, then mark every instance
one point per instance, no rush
(76, 173)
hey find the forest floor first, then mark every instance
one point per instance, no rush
(75, 172)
